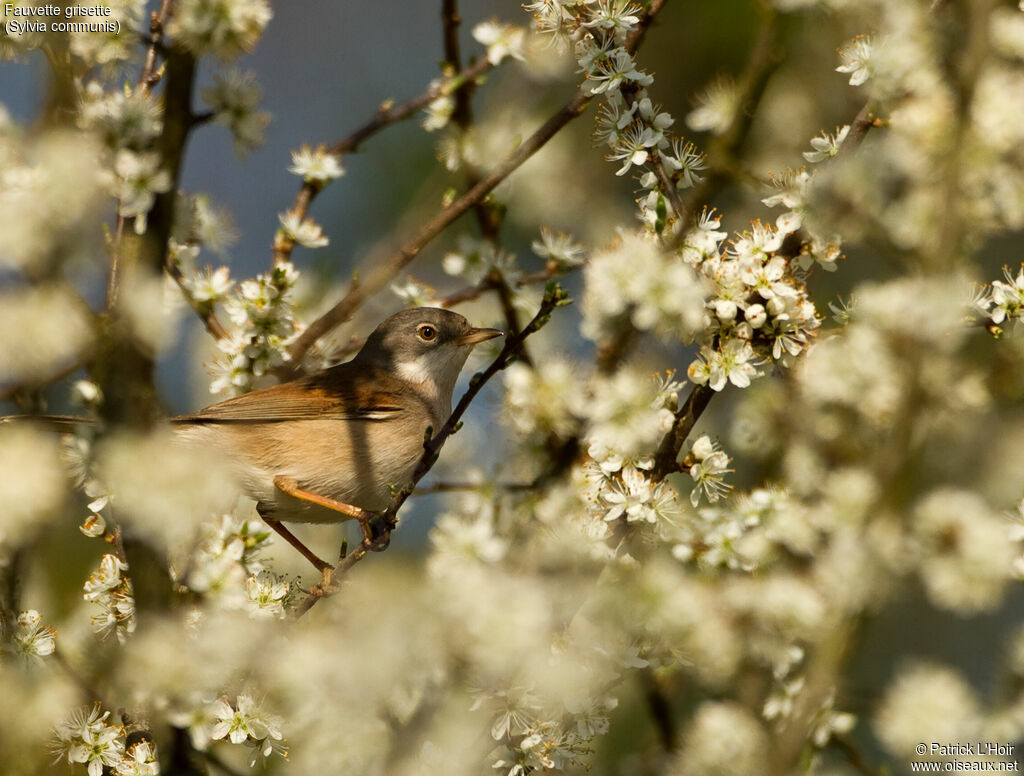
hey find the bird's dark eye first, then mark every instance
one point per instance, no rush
(426, 332)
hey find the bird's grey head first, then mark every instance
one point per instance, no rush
(425, 345)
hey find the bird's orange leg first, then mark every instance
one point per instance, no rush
(291, 487)
(325, 568)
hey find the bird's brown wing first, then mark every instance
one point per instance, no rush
(342, 392)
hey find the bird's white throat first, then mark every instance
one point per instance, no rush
(435, 375)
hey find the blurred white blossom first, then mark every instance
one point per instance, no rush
(225, 28)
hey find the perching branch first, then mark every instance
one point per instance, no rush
(469, 293)
(554, 297)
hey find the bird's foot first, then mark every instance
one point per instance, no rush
(376, 535)
(327, 584)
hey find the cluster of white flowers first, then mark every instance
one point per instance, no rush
(546, 399)
(635, 130)
(111, 50)
(225, 28)
(637, 278)
(125, 118)
(262, 311)
(626, 416)
(234, 99)
(502, 40)
(967, 549)
(246, 723)
(31, 640)
(534, 736)
(88, 738)
(139, 177)
(316, 166)
(225, 566)
(560, 250)
(110, 589)
(758, 312)
(1002, 302)
(710, 464)
(475, 258)
(129, 121)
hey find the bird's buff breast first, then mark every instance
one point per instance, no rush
(351, 462)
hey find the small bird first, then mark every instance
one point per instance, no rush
(330, 447)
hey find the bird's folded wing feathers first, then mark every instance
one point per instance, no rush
(314, 399)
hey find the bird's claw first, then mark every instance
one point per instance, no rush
(376, 537)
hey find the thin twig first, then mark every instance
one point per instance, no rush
(207, 312)
(88, 690)
(9, 393)
(462, 487)
(386, 116)
(379, 277)
(148, 78)
(157, 21)
(553, 297)
(488, 217)
(668, 187)
(685, 419)
(450, 21)
(469, 293)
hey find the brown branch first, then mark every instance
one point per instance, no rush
(148, 78)
(659, 704)
(463, 487)
(11, 392)
(450, 21)
(508, 309)
(469, 293)
(123, 367)
(89, 691)
(686, 418)
(668, 187)
(386, 116)
(489, 217)
(157, 21)
(554, 297)
(207, 312)
(381, 275)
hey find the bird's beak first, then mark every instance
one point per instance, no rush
(474, 336)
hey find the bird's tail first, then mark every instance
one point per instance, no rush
(61, 424)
